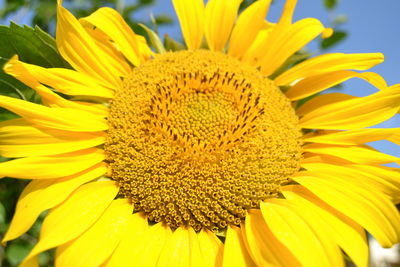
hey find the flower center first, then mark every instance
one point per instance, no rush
(198, 138)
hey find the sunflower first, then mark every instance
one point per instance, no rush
(201, 157)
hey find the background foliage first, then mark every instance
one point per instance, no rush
(33, 45)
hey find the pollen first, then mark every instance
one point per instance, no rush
(197, 138)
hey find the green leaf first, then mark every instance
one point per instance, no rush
(129, 9)
(31, 45)
(146, 2)
(154, 39)
(245, 4)
(16, 252)
(163, 19)
(340, 19)
(330, 4)
(6, 115)
(336, 37)
(3, 216)
(172, 45)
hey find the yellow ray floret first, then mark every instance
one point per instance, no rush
(137, 225)
(191, 17)
(19, 138)
(148, 247)
(352, 137)
(283, 43)
(248, 25)
(374, 212)
(355, 154)
(264, 247)
(59, 229)
(296, 229)
(354, 113)
(347, 234)
(317, 83)
(374, 178)
(95, 245)
(65, 81)
(44, 194)
(48, 167)
(81, 51)
(235, 251)
(329, 63)
(58, 118)
(113, 25)
(220, 16)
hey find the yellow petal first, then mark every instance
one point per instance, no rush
(145, 50)
(370, 177)
(388, 176)
(15, 151)
(211, 248)
(100, 109)
(355, 154)
(264, 247)
(104, 43)
(21, 139)
(329, 63)
(248, 25)
(328, 32)
(315, 84)
(137, 225)
(196, 256)
(318, 158)
(235, 251)
(95, 245)
(51, 166)
(346, 233)
(191, 18)
(252, 54)
(322, 101)
(296, 228)
(354, 113)
(75, 215)
(352, 137)
(395, 138)
(287, 14)
(20, 71)
(66, 81)
(40, 195)
(372, 210)
(80, 50)
(32, 262)
(283, 42)
(58, 118)
(220, 16)
(148, 248)
(180, 250)
(114, 26)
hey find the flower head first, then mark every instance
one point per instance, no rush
(199, 157)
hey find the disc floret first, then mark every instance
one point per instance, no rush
(197, 138)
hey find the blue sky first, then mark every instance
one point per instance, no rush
(373, 26)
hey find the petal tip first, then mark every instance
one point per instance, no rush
(328, 32)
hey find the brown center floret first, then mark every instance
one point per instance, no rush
(198, 138)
